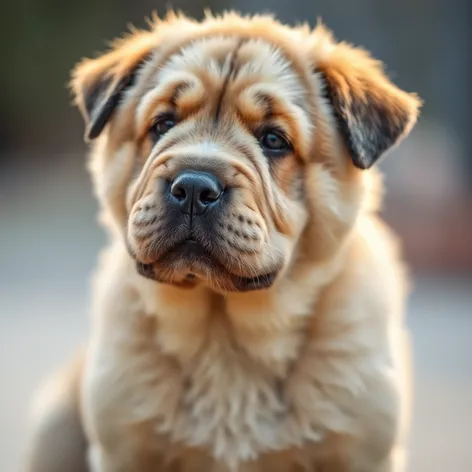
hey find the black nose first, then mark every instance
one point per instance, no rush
(195, 191)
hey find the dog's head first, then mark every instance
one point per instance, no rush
(226, 150)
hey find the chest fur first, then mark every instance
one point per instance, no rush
(223, 394)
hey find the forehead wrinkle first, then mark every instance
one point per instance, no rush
(231, 72)
(270, 63)
(304, 96)
(292, 45)
(267, 102)
(167, 92)
(188, 68)
(208, 58)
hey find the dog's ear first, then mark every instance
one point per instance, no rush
(98, 84)
(372, 114)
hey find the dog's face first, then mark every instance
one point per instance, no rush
(219, 197)
(222, 144)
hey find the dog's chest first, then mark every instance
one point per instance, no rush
(219, 397)
(229, 401)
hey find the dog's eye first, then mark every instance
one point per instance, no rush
(162, 125)
(274, 142)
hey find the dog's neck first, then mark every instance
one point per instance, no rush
(269, 326)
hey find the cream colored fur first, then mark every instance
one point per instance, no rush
(311, 374)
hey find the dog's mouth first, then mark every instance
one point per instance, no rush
(255, 283)
(189, 263)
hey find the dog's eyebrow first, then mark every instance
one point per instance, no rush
(171, 92)
(178, 91)
(262, 104)
(267, 104)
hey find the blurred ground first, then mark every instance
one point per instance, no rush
(49, 242)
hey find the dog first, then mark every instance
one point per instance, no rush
(248, 309)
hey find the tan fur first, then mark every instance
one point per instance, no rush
(307, 375)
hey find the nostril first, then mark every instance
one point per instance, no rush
(209, 196)
(178, 192)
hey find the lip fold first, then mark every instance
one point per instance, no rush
(198, 261)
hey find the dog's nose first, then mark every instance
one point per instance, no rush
(195, 191)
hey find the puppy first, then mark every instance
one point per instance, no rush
(248, 310)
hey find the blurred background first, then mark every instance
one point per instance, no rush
(49, 237)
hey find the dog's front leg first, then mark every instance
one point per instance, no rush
(356, 400)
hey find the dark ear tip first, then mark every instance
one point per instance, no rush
(362, 158)
(92, 131)
(363, 164)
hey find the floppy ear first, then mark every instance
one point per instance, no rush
(98, 84)
(372, 114)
